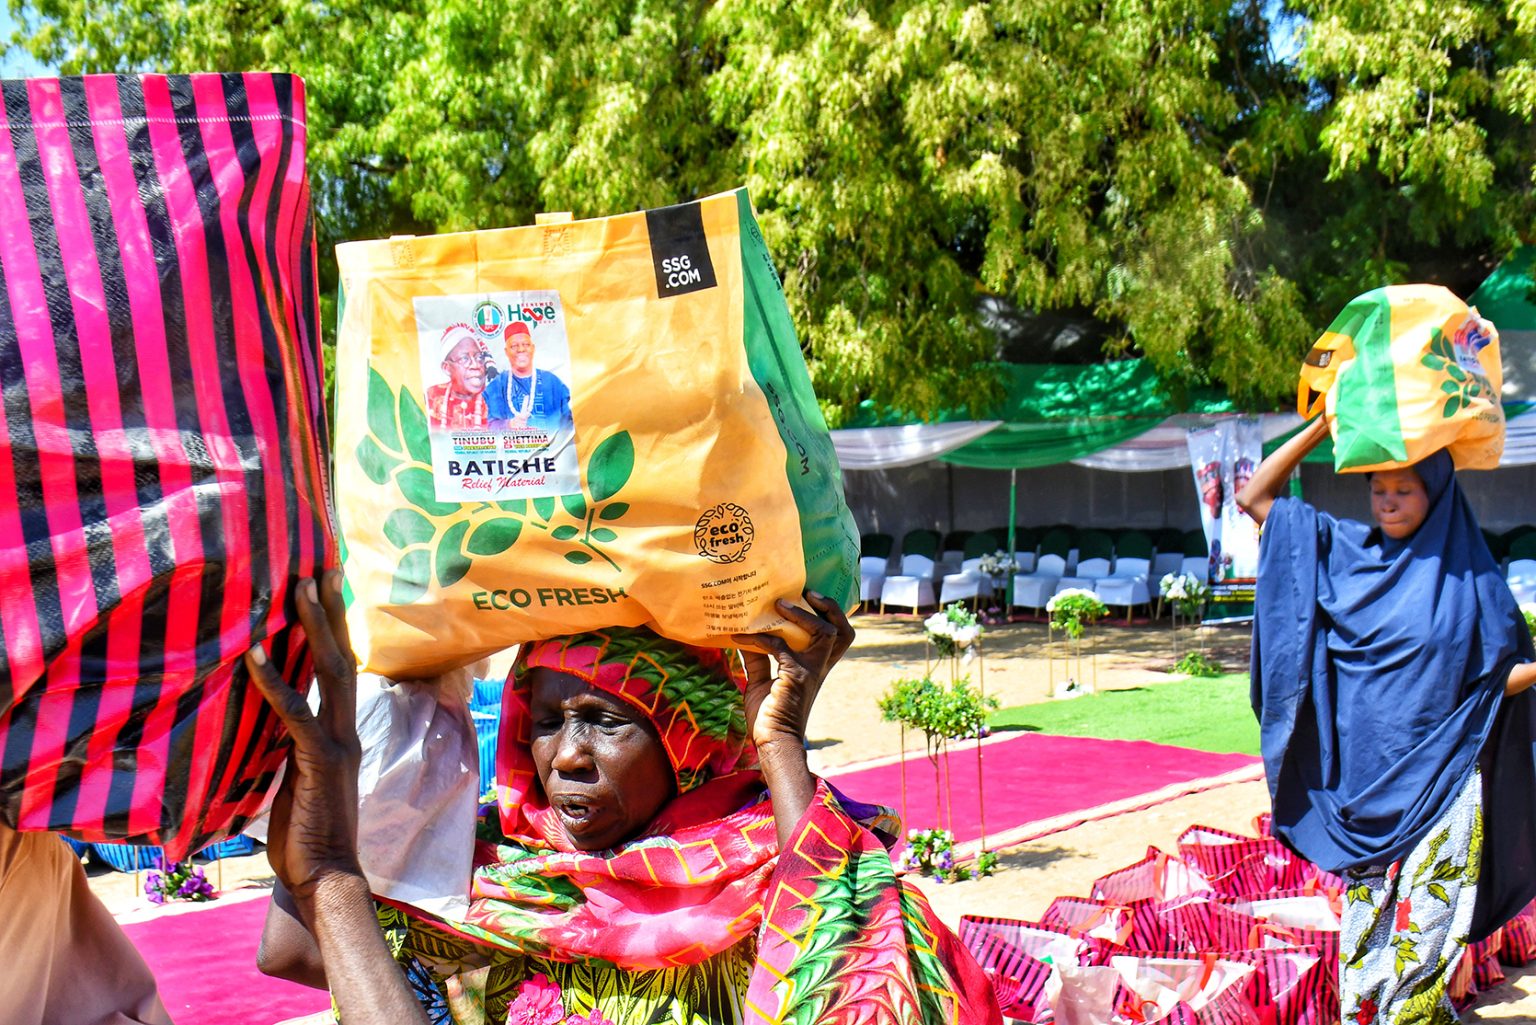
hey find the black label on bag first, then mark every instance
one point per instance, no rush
(679, 250)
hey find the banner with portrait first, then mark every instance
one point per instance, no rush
(498, 403)
(1223, 456)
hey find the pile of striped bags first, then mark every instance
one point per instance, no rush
(1233, 930)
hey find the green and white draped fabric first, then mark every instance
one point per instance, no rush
(1112, 416)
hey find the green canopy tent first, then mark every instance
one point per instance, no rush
(1049, 414)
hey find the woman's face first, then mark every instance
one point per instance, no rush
(1398, 502)
(599, 759)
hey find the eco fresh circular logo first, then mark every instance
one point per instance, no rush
(724, 533)
(489, 318)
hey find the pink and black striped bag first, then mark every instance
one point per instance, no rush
(1245, 866)
(162, 433)
(1158, 876)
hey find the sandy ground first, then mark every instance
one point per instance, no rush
(1017, 668)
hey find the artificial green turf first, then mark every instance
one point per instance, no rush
(1208, 715)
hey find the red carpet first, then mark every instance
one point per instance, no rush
(1030, 777)
(205, 963)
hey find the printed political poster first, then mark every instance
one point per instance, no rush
(496, 373)
(1223, 457)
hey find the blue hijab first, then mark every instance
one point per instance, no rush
(1378, 673)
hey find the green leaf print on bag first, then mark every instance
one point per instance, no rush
(407, 527)
(1462, 387)
(411, 576)
(413, 425)
(397, 450)
(452, 564)
(610, 466)
(381, 412)
(494, 537)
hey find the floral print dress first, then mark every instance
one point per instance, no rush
(1404, 928)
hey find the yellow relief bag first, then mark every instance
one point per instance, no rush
(576, 425)
(1403, 372)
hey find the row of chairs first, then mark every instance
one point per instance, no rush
(1120, 565)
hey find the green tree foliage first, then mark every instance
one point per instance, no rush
(1155, 162)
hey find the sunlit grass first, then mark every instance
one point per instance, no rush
(1209, 715)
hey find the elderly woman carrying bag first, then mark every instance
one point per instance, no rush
(662, 853)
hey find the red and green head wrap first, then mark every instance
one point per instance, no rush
(693, 696)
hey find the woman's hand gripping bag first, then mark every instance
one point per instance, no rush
(162, 447)
(574, 425)
(1403, 372)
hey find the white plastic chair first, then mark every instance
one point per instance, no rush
(963, 586)
(913, 587)
(969, 583)
(1092, 569)
(1126, 585)
(1521, 576)
(1051, 565)
(871, 577)
(1033, 590)
(1164, 563)
(917, 566)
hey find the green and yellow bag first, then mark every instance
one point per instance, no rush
(1403, 372)
(574, 425)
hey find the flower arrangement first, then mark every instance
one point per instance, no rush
(954, 630)
(1185, 591)
(179, 880)
(1071, 608)
(1187, 594)
(940, 713)
(999, 564)
(931, 852)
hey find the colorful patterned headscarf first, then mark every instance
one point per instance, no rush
(693, 696)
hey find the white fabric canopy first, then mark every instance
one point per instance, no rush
(1164, 447)
(1161, 448)
(880, 448)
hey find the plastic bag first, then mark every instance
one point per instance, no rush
(1403, 372)
(162, 453)
(417, 791)
(578, 425)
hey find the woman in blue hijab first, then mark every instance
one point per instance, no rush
(1390, 670)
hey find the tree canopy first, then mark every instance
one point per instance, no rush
(1180, 169)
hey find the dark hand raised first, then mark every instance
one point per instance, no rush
(314, 818)
(782, 683)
